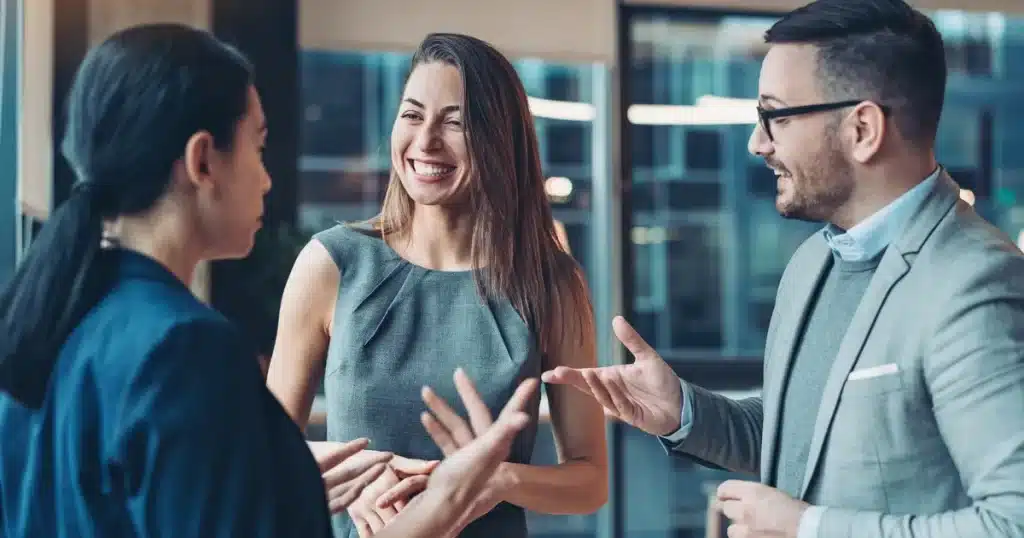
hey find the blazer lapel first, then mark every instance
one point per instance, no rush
(891, 268)
(895, 263)
(793, 305)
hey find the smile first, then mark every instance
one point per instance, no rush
(433, 170)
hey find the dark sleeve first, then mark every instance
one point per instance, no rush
(194, 447)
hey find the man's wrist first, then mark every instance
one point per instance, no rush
(684, 414)
(674, 429)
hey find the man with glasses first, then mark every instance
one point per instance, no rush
(893, 399)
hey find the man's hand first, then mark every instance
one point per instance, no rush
(759, 511)
(644, 394)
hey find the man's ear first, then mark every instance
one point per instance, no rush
(199, 154)
(870, 130)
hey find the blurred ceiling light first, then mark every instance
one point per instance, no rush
(691, 115)
(562, 110)
(709, 110)
(558, 187)
(714, 100)
(642, 235)
(967, 195)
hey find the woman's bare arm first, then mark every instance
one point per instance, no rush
(303, 331)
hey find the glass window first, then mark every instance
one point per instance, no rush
(696, 193)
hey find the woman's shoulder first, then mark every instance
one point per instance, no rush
(346, 242)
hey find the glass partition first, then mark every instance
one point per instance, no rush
(10, 60)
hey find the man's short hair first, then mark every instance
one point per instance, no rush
(879, 50)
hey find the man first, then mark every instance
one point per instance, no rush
(893, 397)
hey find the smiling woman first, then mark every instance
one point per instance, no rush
(429, 153)
(462, 268)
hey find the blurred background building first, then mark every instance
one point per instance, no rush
(643, 110)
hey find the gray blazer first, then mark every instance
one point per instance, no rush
(921, 427)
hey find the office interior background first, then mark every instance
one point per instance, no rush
(642, 109)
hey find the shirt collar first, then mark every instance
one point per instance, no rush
(872, 235)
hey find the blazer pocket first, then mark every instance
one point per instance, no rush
(867, 386)
(862, 414)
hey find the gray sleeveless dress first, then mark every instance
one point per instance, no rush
(398, 326)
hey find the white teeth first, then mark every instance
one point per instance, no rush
(425, 169)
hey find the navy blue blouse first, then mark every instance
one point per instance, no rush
(156, 423)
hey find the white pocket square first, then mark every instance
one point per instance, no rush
(874, 371)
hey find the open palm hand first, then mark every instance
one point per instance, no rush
(645, 394)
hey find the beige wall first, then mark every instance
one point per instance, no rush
(108, 16)
(560, 30)
(35, 133)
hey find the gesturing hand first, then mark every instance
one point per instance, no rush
(347, 468)
(455, 489)
(473, 451)
(412, 475)
(366, 515)
(644, 394)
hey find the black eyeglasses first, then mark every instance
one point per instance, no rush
(767, 115)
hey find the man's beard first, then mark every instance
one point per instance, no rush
(820, 188)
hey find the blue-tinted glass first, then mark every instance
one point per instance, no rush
(10, 51)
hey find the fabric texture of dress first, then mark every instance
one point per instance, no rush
(397, 327)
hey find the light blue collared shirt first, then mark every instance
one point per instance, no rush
(862, 242)
(872, 235)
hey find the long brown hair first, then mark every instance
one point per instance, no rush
(515, 249)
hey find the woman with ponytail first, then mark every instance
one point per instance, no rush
(131, 409)
(127, 407)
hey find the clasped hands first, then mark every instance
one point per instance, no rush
(373, 487)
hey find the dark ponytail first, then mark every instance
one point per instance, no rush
(60, 278)
(136, 100)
